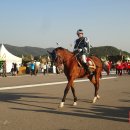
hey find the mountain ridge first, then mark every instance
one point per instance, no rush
(37, 51)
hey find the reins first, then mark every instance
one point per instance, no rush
(74, 56)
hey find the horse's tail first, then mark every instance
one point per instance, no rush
(102, 68)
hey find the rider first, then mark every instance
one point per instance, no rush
(83, 47)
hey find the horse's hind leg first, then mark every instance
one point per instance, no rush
(96, 96)
(95, 81)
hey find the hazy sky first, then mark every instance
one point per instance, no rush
(42, 23)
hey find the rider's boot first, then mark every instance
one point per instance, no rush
(87, 70)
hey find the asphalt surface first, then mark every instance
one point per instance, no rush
(36, 108)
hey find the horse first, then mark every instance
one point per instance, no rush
(72, 70)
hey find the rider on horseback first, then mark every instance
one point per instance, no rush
(83, 48)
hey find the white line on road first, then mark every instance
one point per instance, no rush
(47, 84)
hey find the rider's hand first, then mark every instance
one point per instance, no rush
(79, 50)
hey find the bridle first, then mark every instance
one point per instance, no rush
(57, 59)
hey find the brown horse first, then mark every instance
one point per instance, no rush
(72, 70)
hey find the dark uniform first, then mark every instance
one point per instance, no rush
(82, 43)
(83, 48)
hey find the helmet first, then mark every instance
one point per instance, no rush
(79, 31)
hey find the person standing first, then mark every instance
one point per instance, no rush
(15, 69)
(44, 68)
(4, 69)
(32, 68)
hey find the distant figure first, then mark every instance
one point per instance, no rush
(4, 69)
(125, 66)
(41, 66)
(107, 66)
(54, 69)
(32, 68)
(44, 68)
(119, 68)
(47, 68)
(12, 69)
(15, 69)
(128, 67)
(36, 67)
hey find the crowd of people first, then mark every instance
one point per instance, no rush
(120, 67)
(123, 67)
(34, 67)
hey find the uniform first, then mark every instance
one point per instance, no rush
(82, 44)
(83, 48)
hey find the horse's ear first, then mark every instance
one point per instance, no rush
(49, 52)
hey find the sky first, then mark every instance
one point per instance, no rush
(42, 23)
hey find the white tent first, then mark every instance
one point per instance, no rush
(5, 55)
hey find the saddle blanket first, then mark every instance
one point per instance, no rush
(90, 63)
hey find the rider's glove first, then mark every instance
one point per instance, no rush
(79, 50)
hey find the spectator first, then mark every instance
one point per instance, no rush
(15, 69)
(36, 68)
(32, 67)
(119, 68)
(44, 68)
(128, 67)
(4, 69)
(12, 70)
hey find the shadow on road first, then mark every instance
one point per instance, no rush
(22, 99)
(105, 112)
(119, 114)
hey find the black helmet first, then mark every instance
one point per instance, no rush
(79, 31)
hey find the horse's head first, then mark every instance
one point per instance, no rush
(57, 57)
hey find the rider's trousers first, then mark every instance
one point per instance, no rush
(84, 58)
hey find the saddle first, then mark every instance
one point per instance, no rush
(90, 63)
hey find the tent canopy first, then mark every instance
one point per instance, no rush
(5, 55)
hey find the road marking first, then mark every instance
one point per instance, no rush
(48, 84)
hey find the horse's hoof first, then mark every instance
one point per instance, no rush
(94, 100)
(75, 104)
(98, 97)
(61, 105)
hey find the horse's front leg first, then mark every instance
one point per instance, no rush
(70, 82)
(75, 98)
(64, 97)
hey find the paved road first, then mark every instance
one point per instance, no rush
(36, 108)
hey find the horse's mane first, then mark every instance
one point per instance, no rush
(60, 48)
(63, 49)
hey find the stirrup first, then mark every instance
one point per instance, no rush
(90, 73)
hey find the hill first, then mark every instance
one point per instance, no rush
(37, 51)
(107, 50)
(27, 50)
